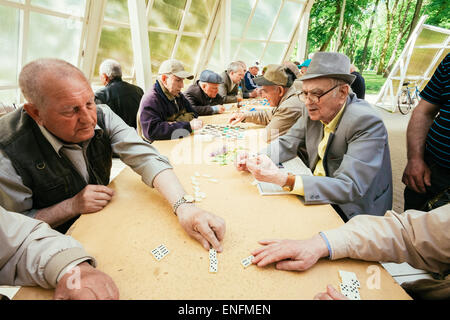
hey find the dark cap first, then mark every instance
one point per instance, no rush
(210, 77)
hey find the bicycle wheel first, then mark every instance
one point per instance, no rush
(404, 102)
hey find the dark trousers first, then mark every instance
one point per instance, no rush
(440, 180)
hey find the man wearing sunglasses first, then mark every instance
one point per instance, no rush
(343, 139)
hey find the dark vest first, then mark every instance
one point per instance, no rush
(52, 178)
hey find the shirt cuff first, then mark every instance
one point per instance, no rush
(215, 109)
(70, 267)
(324, 237)
(60, 261)
(298, 186)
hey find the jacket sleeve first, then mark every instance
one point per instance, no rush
(202, 110)
(32, 253)
(285, 148)
(223, 91)
(155, 127)
(421, 239)
(282, 121)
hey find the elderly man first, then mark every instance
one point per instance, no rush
(122, 97)
(416, 237)
(345, 141)
(277, 88)
(56, 155)
(34, 254)
(427, 173)
(203, 94)
(165, 113)
(229, 89)
(249, 87)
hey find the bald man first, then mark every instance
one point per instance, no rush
(55, 155)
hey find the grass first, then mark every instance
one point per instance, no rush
(373, 81)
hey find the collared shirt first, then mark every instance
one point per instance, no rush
(322, 148)
(76, 153)
(142, 157)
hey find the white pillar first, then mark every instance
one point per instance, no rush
(225, 27)
(92, 39)
(141, 48)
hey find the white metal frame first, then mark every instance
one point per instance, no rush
(387, 98)
(94, 20)
(24, 26)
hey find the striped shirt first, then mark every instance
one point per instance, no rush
(437, 92)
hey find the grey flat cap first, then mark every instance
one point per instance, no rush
(210, 77)
(329, 65)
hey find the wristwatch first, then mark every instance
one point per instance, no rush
(184, 199)
(290, 182)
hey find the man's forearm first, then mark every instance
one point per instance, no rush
(57, 214)
(167, 183)
(419, 125)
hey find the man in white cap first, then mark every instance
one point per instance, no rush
(249, 87)
(345, 141)
(165, 113)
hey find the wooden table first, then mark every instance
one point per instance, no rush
(138, 219)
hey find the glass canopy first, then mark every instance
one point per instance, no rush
(187, 30)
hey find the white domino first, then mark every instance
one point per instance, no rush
(160, 252)
(247, 261)
(213, 262)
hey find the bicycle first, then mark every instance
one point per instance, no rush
(407, 99)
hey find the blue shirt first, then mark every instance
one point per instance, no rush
(249, 83)
(437, 92)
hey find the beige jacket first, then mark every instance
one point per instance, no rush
(421, 239)
(280, 119)
(32, 253)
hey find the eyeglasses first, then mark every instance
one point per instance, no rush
(314, 98)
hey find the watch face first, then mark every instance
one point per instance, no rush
(188, 198)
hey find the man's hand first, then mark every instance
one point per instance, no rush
(417, 175)
(84, 282)
(196, 124)
(263, 169)
(240, 161)
(92, 198)
(206, 228)
(254, 93)
(330, 294)
(221, 109)
(291, 255)
(236, 118)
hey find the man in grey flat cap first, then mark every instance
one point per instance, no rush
(344, 140)
(203, 94)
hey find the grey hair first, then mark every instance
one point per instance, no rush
(339, 82)
(33, 79)
(111, 68)
(235, 66)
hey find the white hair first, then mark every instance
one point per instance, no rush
(235, 66)
(111, 68)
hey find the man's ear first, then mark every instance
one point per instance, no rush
(104, 78)
(33, 112)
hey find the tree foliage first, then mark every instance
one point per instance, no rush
(372, 39)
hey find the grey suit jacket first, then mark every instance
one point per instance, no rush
(357, 160)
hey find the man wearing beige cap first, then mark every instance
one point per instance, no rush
(276, 87)
(345, 141)
(165, 113)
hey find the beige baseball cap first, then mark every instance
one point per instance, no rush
(275, 75)
(175, 67)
